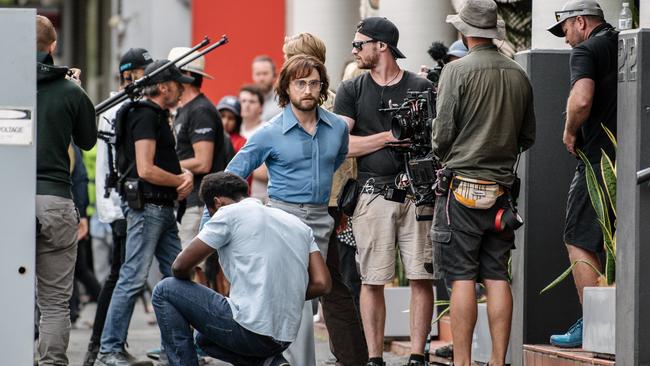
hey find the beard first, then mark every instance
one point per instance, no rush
(368, 63)
(304, 104)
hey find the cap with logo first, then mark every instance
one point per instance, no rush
(381, 29)
(230, 103)
(172, 73)
(135, 58)
(196, 66)
(571, 9)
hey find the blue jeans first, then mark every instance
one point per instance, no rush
(151, 231)
(180, 305)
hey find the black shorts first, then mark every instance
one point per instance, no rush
(468, 247)
(581, 226)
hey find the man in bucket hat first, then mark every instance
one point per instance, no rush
(591, 102)
(482, 98)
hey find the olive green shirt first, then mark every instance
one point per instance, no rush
(485, 115)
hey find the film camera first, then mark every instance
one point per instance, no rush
(411, 125)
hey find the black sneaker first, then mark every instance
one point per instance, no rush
(91, 355)
(445, 352)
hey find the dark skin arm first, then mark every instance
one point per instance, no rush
(190, 257)
(320, 282)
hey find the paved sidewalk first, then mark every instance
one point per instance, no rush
(144, 335)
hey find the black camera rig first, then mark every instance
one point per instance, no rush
(411, 125)
(133, 91)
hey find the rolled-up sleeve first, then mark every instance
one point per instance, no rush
(252, 155)
(343, 150)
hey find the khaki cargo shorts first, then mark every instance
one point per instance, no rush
(380, 226)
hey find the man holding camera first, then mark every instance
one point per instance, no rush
(379, 224)
(154, 179)
(485, 119)
(591, 104)
(273, 263)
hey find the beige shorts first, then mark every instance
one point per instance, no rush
(379, 227)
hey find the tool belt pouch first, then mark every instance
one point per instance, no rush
(349, 196)
(133, 194)
(476, 193)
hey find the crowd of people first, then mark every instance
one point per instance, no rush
(237, 200)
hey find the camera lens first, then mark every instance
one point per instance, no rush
(400, 128)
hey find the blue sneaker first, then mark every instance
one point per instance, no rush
(571, 339)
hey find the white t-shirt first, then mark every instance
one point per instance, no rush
(264, 253)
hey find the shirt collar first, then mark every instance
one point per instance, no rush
(483, 47)
(289, 119)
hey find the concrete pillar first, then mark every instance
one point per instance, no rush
(333, 21)
(633, 200)
(157, 25)
(644, 14)
(544, 17)
(420, 22)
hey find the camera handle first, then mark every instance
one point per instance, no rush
(417, 197)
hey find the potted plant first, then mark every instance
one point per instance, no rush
(599, 311)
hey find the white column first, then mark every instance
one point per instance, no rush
(420, 22)
(544, 17)
(644, 15)
(333, 21)
(146, 26)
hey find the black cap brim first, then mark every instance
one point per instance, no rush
(556, 29)
(184, 79)
(397, 52)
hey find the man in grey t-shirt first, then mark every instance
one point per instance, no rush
(273, 264)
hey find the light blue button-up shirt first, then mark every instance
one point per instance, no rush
(300, 165)
(264, 252)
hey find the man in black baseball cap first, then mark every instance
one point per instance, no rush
(135, 58)
(153, 180)
(171, 73)
(383, 30)
(109, 210)
(358, 101)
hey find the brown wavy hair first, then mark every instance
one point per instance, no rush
(297, 67)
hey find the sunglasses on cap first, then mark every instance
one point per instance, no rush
(359, 44)
(558, 14)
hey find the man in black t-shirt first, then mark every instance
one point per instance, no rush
(592, 102)
(199, 141)
(149, 158)
(380, 225)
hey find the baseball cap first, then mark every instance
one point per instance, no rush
(457, 49)
(169, 74)
(196, 66)
(381, 29)
(231, 103)
(135, 58)
(571, 9)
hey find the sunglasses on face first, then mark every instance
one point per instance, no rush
(359, 44)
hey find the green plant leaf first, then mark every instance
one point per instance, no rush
(610, 135)
(442, 313)
(608, 171)
(566, 273)
(595, 192)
